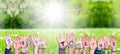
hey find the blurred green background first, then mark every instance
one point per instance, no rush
(78, 14)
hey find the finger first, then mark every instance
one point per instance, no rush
(9, 35)
(65, 36)
(46, 47)
(5, 37)
(36, 35)
(71, 37)
(60, 37)
(65, 44)
(57, 39)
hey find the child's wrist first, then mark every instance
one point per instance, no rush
(113, 50)
(84, 51)
(35, 50)
(40, 51)
(61, 51)
(35, 47)
(85, 48)
(8, 47)
(16, 51)
(92, 51)
(69, 48)
(99, 48)
(77, 50)
(106, 48)
(23, 50)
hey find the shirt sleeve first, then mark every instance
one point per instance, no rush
(7, 51)
(23, 53)
(61, 51)
(98, 51)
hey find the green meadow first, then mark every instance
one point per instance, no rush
(51, 34)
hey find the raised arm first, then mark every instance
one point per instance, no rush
(107, 43)
(62, 43)
(42, 45)
(8, 42)
(113, 44)
(71, 43)
(35, 43)
(85, 42)
(78, 46)
(100, 45)
(16, 45)
(93, 45)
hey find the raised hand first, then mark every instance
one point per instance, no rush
(62, 41)
(79, 44)
(71, 41)
(8, 41)
(42, 44)
(93, 43)
(23, 42)
(113, 43)
(101, 43)
(35, 43)
(85, 42)
(16, 44)
(106, 42)
(29, 41)
(35, 40)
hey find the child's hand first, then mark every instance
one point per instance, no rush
(23, 42)
(93, 43)
(106, 41)
(71, 42)
(42, 44)
(79, 44)
(35, 40)
(8, 41)
(113, 42)
(62, 41)
(85, 42)
(16, 44)
(101, 43)
(29, 41)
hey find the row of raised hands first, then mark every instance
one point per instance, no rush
(25, 44)
(83, 44)
(64, 40)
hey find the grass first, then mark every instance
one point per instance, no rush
(51, 34)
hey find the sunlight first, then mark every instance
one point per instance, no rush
(54, 12)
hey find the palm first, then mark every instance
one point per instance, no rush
(106, 41)
(43, 44)
(23, 42)
(113, 42)
(8, 40)
(16, 44)
(29, 41)
(71, 42)
(86, 42)
(35, 40)
(93, 44)
(79, 45)
(62, 41)
(101, 43)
